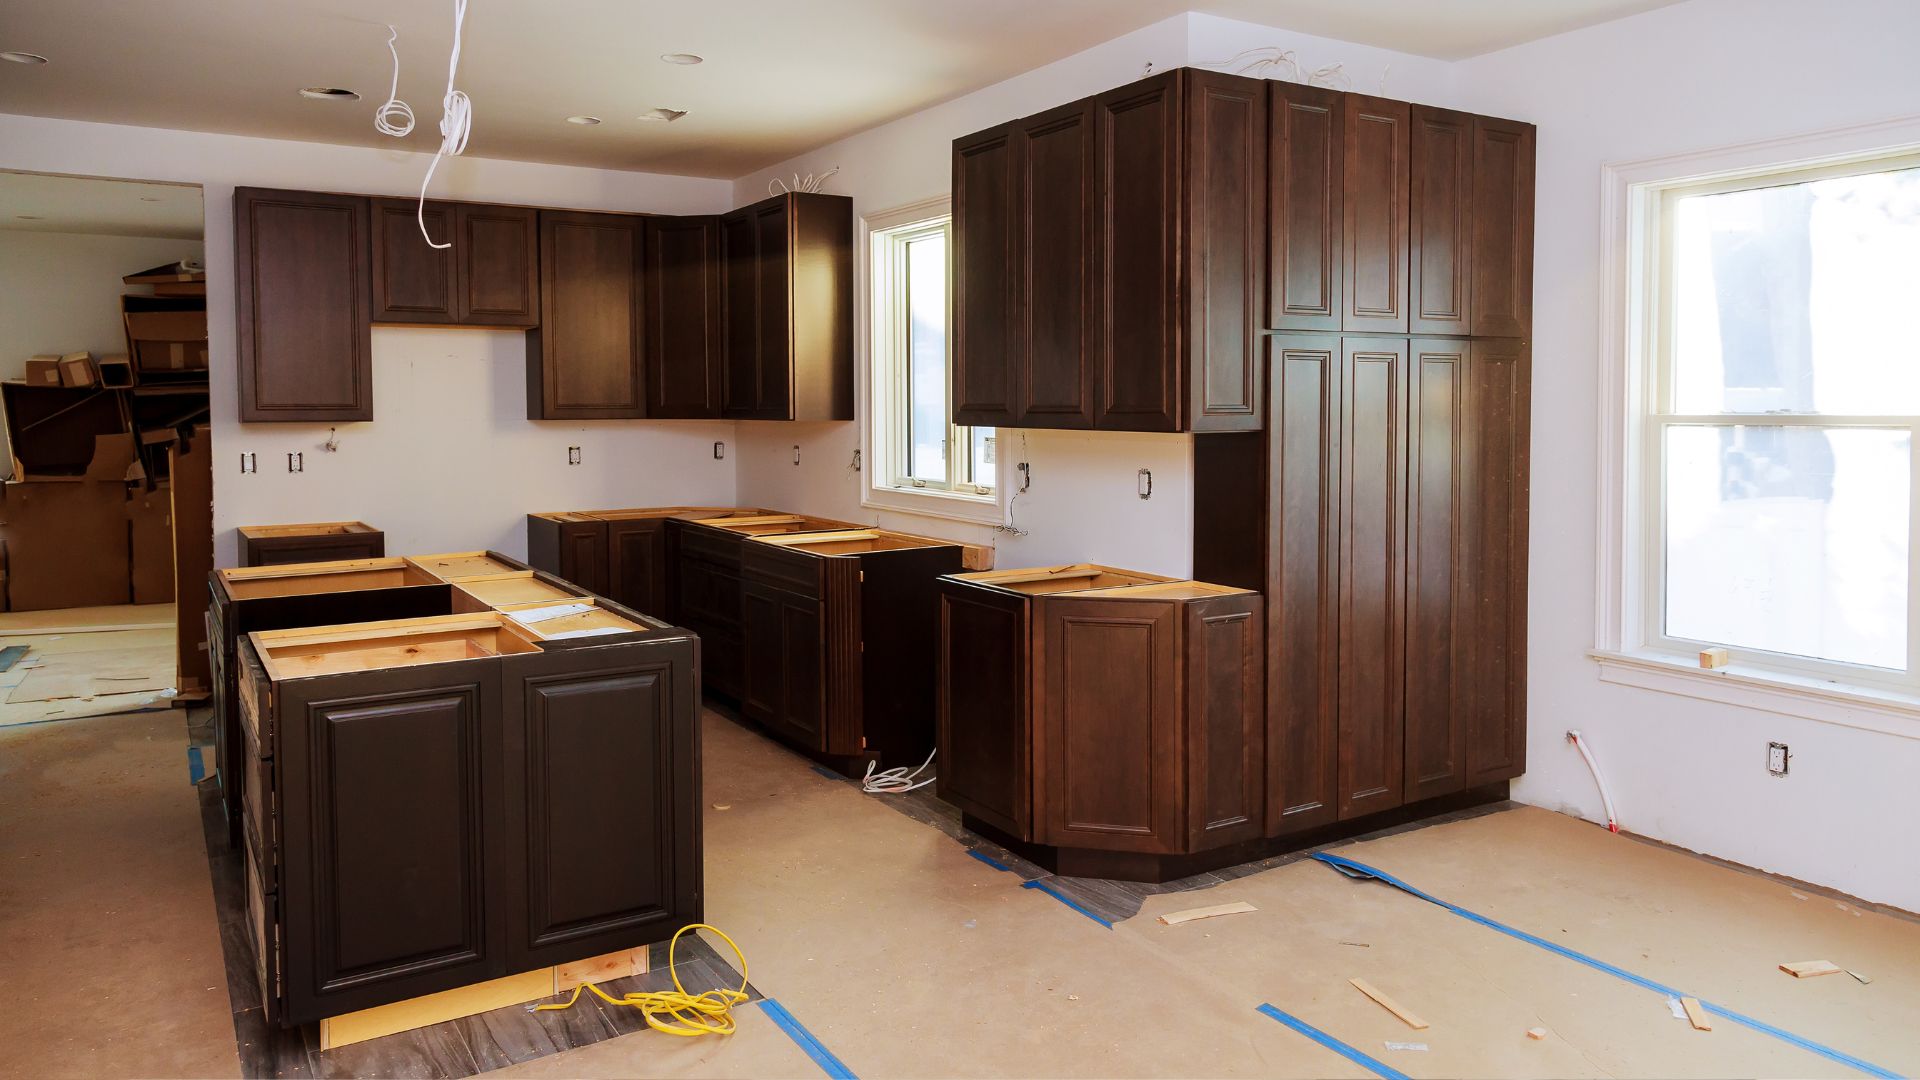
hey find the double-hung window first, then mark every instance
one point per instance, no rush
(922, 461)
(1779, 414)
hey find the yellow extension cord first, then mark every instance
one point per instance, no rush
(710, 1013)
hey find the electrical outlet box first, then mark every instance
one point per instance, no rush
(296, 462)
(573, 455)
(249, 462)
(1777, 758)
(719, 451)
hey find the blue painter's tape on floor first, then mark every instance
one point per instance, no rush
(989, 860)
(1361, 870)
(828, 773)
(196, 767)
(1379, 1068)
(1065, 899)
(798, 1032)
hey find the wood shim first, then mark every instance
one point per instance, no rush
(1696, 1015)
(1175, 918)
(1388, 1004)
(1807, 969)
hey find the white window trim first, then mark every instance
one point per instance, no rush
(1631, 201)
(877, 390)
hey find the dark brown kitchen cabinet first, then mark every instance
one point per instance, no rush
(683, 312)
(637, 563)
(586, 360)
(1306, 183)
(785, 647)
(320, 541)
(488, 275)
(1372, 593)
(303, 306)
(1440, 258)
(1103, 721)
(1502, 228)
(1499, 379)
(573, 546)
(1376, 164)
(1133, 224)
(413, 282)
(787, 309)
(1441, 481)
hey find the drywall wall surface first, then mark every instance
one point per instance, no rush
(1687, 78)
(1232, 44)
(62, 290)
(449, 459)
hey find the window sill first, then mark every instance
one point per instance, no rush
(980, 511)
(1865, 708)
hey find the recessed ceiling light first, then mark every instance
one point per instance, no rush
(665, 115)
(29, 217)
(584, 121)
(328, 93)
(681, 58)
(36, 58)
(149, 198)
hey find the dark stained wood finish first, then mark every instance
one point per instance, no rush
(773, 299)
(1500, 388)
(1439, 581)
(304, 305)
(985, 703)
(704, 596)
(1136, 253)
(1303, 569)
(1226, 744)
(1305, 213)
(1502, 227)
(413, 282)
(1373, 484)
(586, 359)
(318, 547)
(788, 319)
(1441, 261)
(1226, 258)
(684, 308)
(1108, 725)
(985, 244)
(785, 662)
(1375, 161)
(575, 551)
(496, 252)
(1229, 508)
(1053, 307)
(740, 316)
(637, 564)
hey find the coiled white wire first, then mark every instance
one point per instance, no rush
(896, 781)
(395, 118)
(456, 122)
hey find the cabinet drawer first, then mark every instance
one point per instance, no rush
(263, 930)
(710, 545)
(782, 569)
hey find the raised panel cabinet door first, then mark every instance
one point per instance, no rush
(1502, 228)
(785, 660)
(600, 743)
(1441, 221)
(1499, 382)
(984, 706)
(637, 564)
(1138, 171)
(1373, 480)
(1225, 721)
(586, 359)
(497, 250)
(1226, 250)
(1305, 182)
(304, 306)
(583, 555)
(740, 316)
(1378, 175)
(1304, 422)
(413, 282)
(986, 272)
(763, 690)
(392, 820)
(1108, 757)
(1440, 587)
(683, 317)
(1054, 311)
(773, 289)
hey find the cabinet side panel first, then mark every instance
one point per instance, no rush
(1496, 735)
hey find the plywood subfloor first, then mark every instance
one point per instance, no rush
(88, 662)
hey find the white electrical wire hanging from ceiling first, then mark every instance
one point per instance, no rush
(395, 118)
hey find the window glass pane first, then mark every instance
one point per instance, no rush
(1792, 298)
(927, 417)
(1792, 540)
(985, 441)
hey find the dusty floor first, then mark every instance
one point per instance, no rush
(905, 956)
(87, 662)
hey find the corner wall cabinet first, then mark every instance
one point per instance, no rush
(788, 309)
(587, 361)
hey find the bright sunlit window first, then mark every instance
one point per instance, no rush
(918, 450)
(1782, 410)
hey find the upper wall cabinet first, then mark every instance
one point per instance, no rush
(303, 305)
(787, 322)
(586, 360)
(488, 276)
(1110, 260)
(683, 285)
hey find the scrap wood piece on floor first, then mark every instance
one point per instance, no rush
(11, 655)
(1388, 1004)
(1696, 1015)
(1536, 1033)
(1175, 918)
(92, 674)
(1807, 969)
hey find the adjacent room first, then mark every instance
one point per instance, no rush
(871, 538)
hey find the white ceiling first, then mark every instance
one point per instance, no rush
(781, 76)
(38, 202)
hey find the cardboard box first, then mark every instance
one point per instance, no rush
(115, 371)
(43, 371)
(173, 279)
(167, 340)
(76, 369)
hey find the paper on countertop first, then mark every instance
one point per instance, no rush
(598, 631)
(551, 611)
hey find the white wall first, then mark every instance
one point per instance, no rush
(63, 290)
(450, 462)
(1696, 76)
(1083, 505)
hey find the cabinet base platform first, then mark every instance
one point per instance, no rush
(1158, 868)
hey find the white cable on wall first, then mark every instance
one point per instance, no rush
(395, 118)
(456, 121)
(1606, 796)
